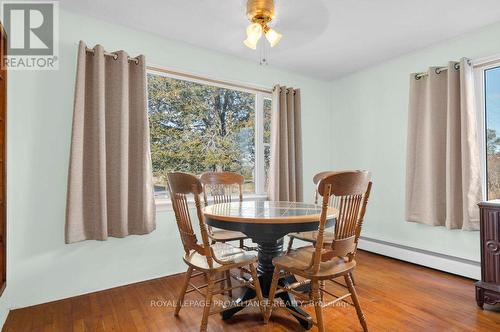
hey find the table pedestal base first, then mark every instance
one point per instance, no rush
(265, 268)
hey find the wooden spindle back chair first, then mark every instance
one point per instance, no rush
(353, 190)
(209, 259)
(326, 261)
(181, 186)
(220, 187)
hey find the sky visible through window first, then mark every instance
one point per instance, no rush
(492, 101)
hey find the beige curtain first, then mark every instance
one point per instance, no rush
(285, 174)
(443, 174)
(110, 190)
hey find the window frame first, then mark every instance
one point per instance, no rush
(260, 96)
(260, 145)
(480, 94)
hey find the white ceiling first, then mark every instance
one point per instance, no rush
(321, 38)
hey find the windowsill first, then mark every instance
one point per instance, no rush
(165, 204)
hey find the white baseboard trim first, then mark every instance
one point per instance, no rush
(456, 265)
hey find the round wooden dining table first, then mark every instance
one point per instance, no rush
(267, 223)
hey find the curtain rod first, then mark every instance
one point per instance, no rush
(196, 77)
(114, 55)
(438, 70)
(181, 74)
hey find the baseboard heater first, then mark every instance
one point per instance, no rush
(451, 264)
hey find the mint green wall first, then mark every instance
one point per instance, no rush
(359, 120)
(41, 267)
(369, 114)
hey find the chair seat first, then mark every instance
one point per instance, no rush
(222, 235)
(312, 236)
(298, 261)
(224, 252)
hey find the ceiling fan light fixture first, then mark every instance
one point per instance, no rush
(260, 13)
(273, 37)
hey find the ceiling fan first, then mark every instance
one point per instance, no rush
(260, 13)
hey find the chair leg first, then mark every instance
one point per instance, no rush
(242, 246)
(185, 285)
(352, 278)
(228, 282)
(355, 300)
(208, 302)
(272, 292)
(290, 243)
(316, 297)
(321, 287)
(258, 290)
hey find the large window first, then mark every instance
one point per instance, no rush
(198, 126)
(488, 87)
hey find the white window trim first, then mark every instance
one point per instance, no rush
(259, 176)
(479, 77)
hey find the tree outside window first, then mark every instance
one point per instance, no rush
(197, 127)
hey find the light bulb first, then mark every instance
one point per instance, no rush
(254, 31)
(250, 43)
(273, 37)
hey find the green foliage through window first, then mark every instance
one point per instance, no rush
(197, 127)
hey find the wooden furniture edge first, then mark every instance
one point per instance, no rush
(332, 213)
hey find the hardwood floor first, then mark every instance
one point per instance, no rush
(395, 296)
